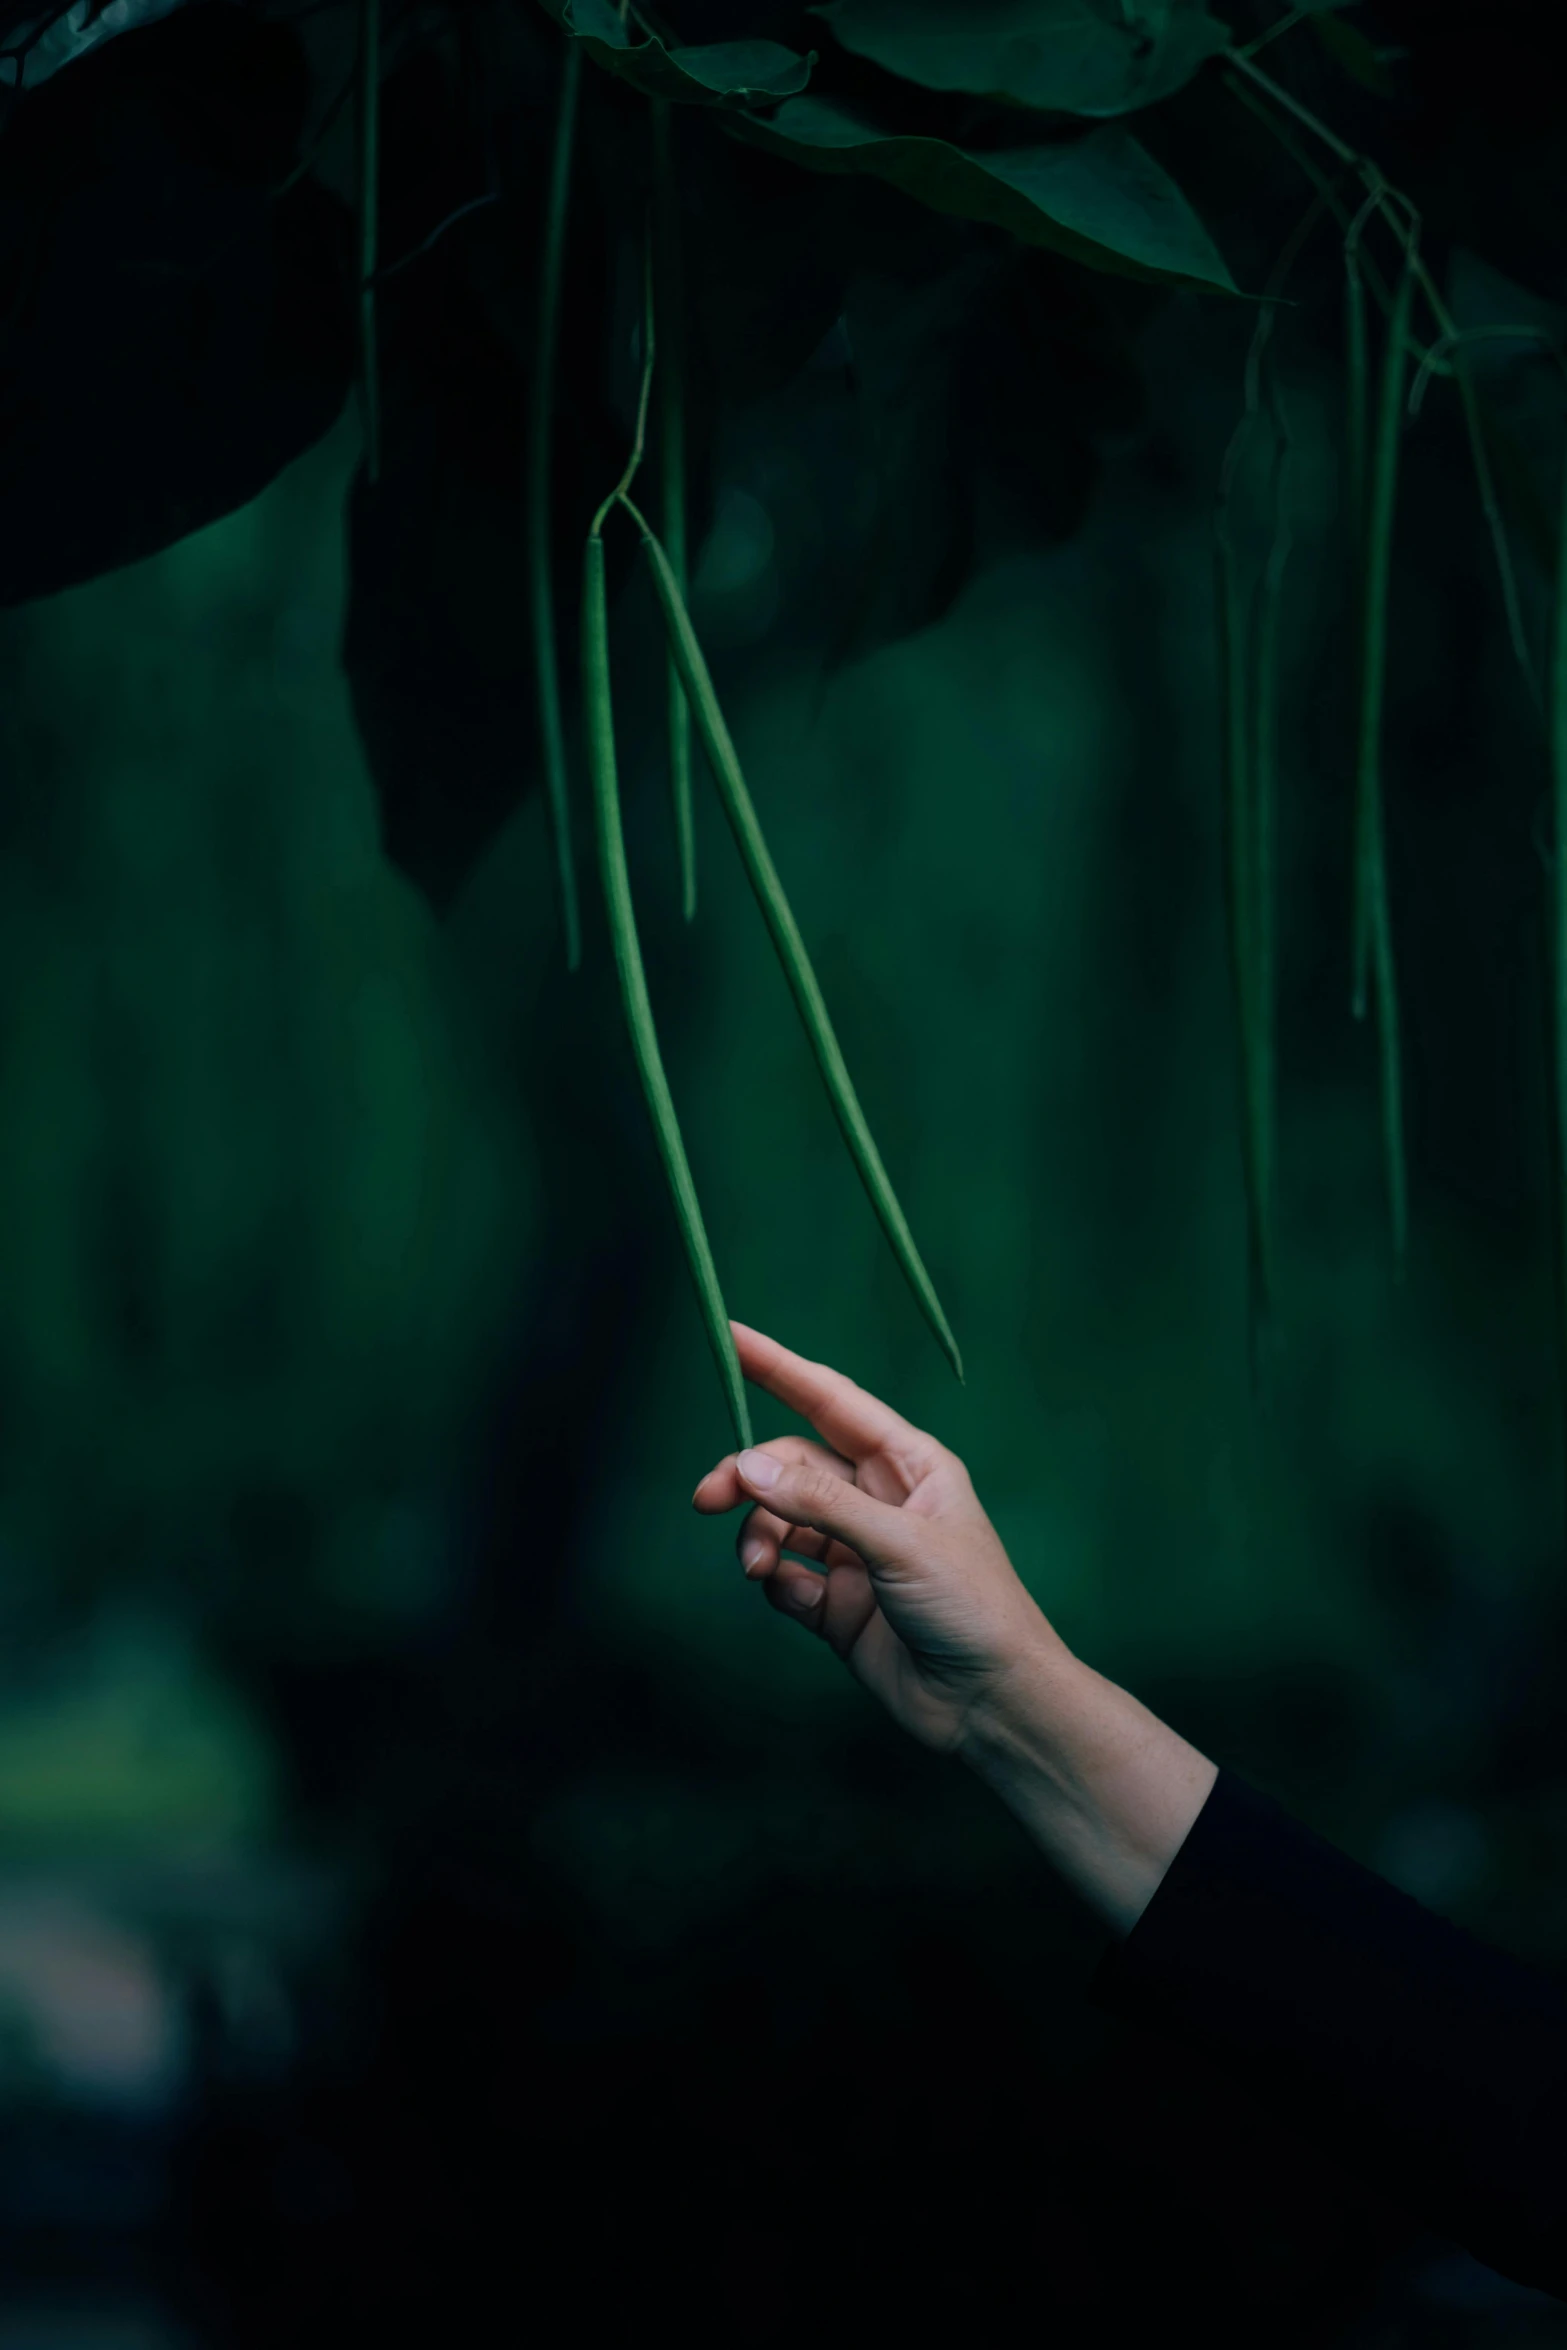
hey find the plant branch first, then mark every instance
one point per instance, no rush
(1390, 202)
(639, 443)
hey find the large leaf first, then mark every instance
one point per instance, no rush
(1099, 199)
(722, 73)
(1093, 57)
(978, 401)
(36, 42)
(768, 254)
(174, 335)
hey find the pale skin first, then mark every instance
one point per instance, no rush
(918, 1597)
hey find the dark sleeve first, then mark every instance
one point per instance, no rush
(1400, 2046)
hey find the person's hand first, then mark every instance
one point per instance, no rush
(918, 1597)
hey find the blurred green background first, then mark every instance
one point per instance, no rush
(412, 1827)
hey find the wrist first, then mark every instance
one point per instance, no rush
(1107, 1791)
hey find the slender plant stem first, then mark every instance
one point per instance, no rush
(1328, 189)
(1391, 204)
(649, 348)
(1264, 790)
(369, 209)
(1373, 921)
(1430, 364)
(1357, 396)
(672, 469)
(541, 591)
(1303, 115)
(1557, 883)
(1231, 628)
(1247, 632)
(1480, 459)
(1380, 496)
(790, 947)
(599, 714)
(633, 984)
(1286, 24)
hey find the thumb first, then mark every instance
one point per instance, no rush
(806, 1495)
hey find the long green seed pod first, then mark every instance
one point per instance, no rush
(1480, 459)
(1373, 922)
(1264, 784)
(1357, 461)
(1357, 389)
(1556, 682)
(1391, 1058)
(633, 982)
(1239, 881)
(672, 472)
(720, 752)
(552, 733)
(369, 208)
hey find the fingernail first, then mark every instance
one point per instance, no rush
(752, 1553)
(808, 1596)
(759, 1468)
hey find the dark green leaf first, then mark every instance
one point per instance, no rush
(173, 337)
(1102, 199)
(1091, 57)
(723, 73)
(988, 386)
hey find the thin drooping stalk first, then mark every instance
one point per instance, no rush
(1357, 395)
(1375, 555)
(1485, 483)
(369, 209)
(1467, 335)
(1239, 882)
(598, 713)
(1390, 1054)
(541, 594)
(1327, 189)
(1391, 203)
(633, 983)
(785, 933)
(1247, 635)
(1557, 713)
(672, 472)
(1373, 923)
(1264, 650)
(639, 437)
(1357, 434)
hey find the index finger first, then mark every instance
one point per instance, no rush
(853, 1421)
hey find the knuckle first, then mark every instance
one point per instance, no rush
(809, 1489)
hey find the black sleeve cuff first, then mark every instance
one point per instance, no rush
(1407, 2051)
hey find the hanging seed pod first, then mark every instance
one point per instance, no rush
(1373, 923)
(1240, 896)
(1480, 459)
(672, 472)
(633, 983)
(1264, 756)
(1253, 760)
(552, 734)
(1556, 693)
(720, 754)
(369, 210)
(1357, 395)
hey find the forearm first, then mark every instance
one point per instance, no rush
(1107, 1791)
